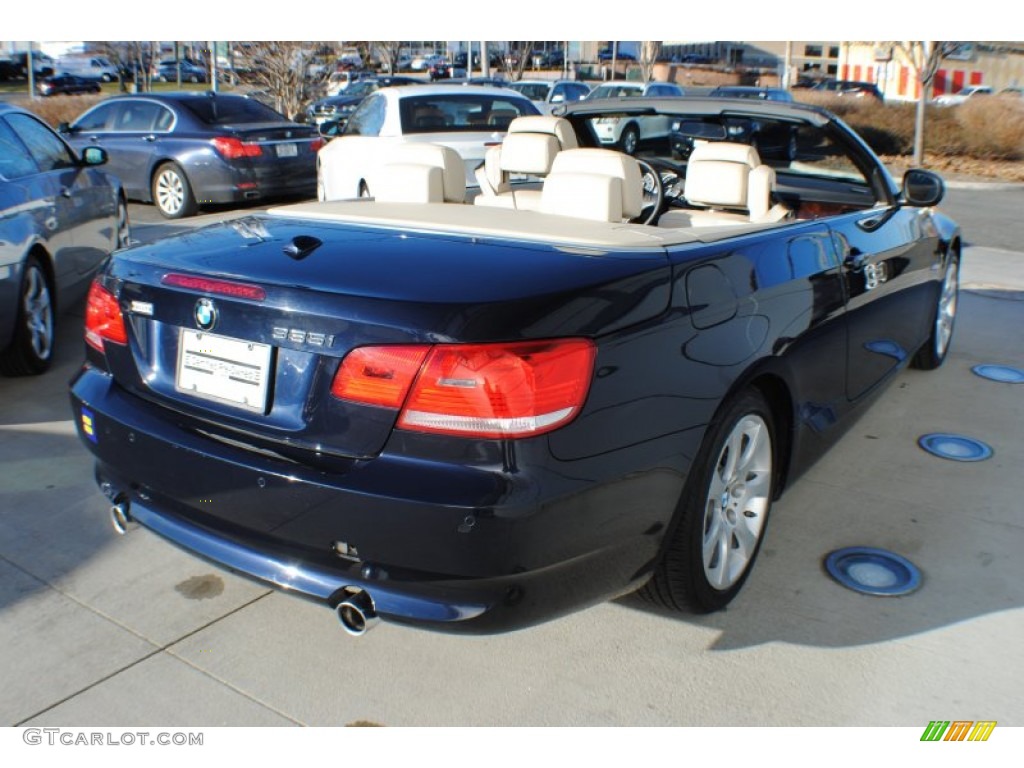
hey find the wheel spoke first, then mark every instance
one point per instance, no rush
(731, 455)
(758, 483)
(746, 536)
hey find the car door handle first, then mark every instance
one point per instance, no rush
(65, 192)
(151, 137)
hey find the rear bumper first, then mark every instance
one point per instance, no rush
(219, 182)
(435, 547)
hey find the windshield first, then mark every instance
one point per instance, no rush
(532, 91)
(461, 112)
(231, 110)
(615, 91)
(361, 88)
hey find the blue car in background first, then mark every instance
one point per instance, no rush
(60, 217)
(184, 149)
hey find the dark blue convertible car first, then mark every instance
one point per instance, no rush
(474, 411)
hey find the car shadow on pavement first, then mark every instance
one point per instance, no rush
(50, 511)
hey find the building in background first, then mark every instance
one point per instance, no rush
(995, 64)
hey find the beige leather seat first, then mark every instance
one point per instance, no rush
(529, 148)
(596, 184)
(420, 173)
(731, 183)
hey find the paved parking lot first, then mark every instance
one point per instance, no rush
(127, 631)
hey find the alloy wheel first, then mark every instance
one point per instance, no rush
(737, 502)
(38, 309)
(170, 191)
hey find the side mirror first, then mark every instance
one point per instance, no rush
(64, 128)
(922, 188)
(558, 98)
(94, 156)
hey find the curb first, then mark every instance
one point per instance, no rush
(991, 186)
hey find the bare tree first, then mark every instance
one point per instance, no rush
(649, 52)
(518, 55)
(388, 51)
(281, 68)
(924, 58)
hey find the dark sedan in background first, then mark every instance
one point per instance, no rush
(66, 84)
(167, 71)
(181, 149)
(342, 105)
(60, 217)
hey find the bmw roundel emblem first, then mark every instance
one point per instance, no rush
(206, 314)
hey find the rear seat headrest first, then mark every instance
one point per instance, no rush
(528, 153)
(453, 169)
(558, 127)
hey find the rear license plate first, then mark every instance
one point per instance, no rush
(287, 150)
(226, 370)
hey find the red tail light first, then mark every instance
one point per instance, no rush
(474, 390)
(317, 144)
(103, 318)
(231, 148)
(379, 375)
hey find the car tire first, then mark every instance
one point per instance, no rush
(124, 229)
(933, 353)
(172, 193)
(720, 523)
(31, 349)
(629, 140)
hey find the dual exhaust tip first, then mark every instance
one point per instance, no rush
(356, 612)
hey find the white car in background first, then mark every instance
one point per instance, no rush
(970, 92)
(467, 118)
(626, 134)
(547, 94)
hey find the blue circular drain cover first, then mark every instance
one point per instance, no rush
(873, 571)
(1003, 373)
(955, 447)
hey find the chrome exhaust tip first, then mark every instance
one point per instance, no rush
(120, 517)
(357, 614)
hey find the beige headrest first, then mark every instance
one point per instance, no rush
(718, 174)
(439, 156)
(727, 152)
(528, 153)
(606, 162)
(583, 195)
(558, 127)
(407, 183)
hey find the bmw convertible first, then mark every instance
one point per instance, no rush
(478, 409)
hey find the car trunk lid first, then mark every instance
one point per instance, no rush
(241, 326)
